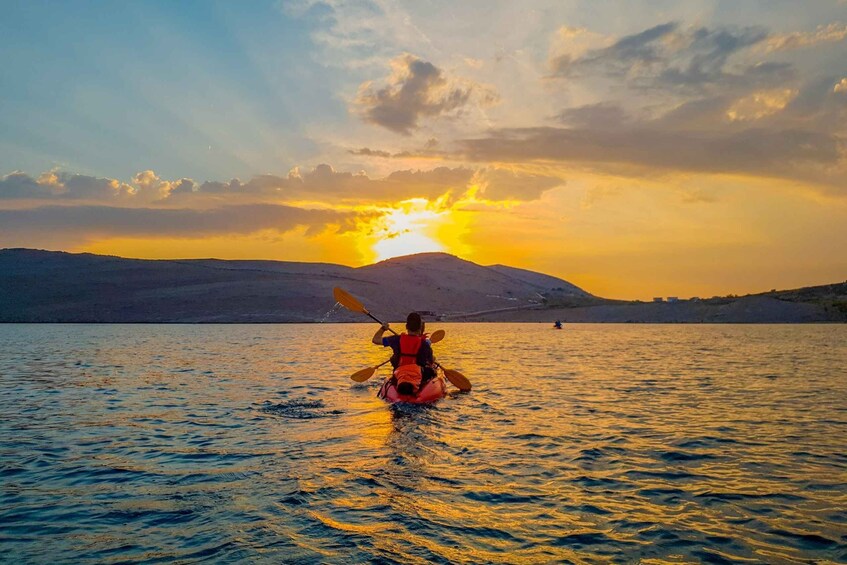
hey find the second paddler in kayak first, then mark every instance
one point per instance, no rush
(412, 357)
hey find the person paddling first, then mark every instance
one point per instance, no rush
(412, 356)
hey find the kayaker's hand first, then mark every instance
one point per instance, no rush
(386, 326)
(377, 338)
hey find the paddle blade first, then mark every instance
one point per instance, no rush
(363, 375)
(347, 300)
(458, 379)
(436, 336)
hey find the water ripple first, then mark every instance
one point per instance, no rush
(652, 444)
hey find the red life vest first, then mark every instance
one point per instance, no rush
(408, 370)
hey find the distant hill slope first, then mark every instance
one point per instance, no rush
(826, 303)
(42, 286)
(47, 286)
(448, 285)
(544, 283)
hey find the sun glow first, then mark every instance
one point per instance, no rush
(408, 229)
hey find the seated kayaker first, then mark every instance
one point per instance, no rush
(412, 357)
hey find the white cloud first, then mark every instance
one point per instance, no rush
(832, 32)
(149, 187)
(760, 104)
(570, 43)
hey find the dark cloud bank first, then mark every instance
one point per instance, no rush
(78, 207)
(705, 94)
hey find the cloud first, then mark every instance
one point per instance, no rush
(817, 105)
(265, 201)
(793, 131)
(640, 48)
(429, 149)
(361, 34)
(646, 147)
(499, 184)
(142, 212)
(61, 185)
(602, 115)
(320, 184)
(150, 188)
(108, 221)
(325, 184)
(840, 86)
(760, 104)
(571, 43)
(416, 89)
(366, 152)
(21, 185)
(86, 187)
(670, 56)
(832, 32)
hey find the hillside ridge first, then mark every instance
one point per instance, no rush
(57, 286)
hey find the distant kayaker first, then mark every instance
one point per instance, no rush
(558, 324)
(412, 358)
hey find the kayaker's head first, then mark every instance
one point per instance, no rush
(414, 323)
(406, 388)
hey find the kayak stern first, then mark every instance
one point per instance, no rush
(432, 391)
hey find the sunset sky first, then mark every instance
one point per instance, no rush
(636, 149)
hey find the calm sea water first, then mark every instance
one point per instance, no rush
(599, 443)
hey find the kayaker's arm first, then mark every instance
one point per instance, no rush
(377, 339)
(430, 355)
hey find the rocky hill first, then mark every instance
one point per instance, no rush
(47, 286)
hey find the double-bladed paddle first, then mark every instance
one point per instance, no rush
(349, 301)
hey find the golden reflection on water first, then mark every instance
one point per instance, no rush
(593, 444)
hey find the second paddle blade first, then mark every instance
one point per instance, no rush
(363, 375)
(458, 379)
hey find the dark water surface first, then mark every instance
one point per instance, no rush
(599, 443)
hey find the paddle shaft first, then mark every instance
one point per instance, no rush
(381, 323)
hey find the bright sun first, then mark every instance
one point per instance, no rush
(403, 231)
